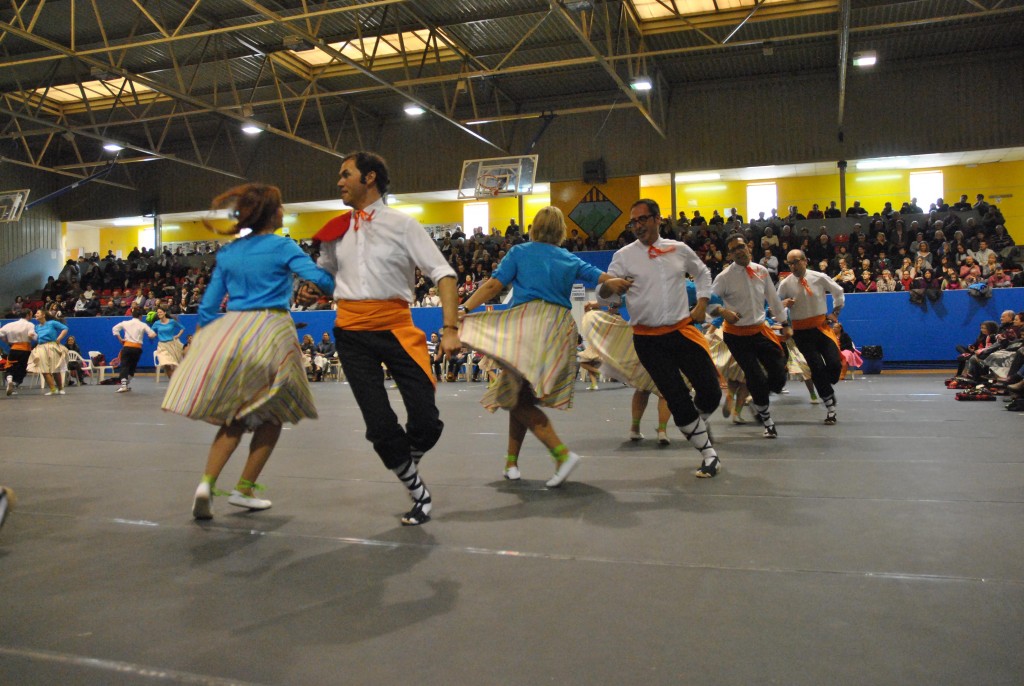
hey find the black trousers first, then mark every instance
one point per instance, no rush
(18, 364)
(665, 357)
(129, 361)
(822, 355)
(762, 362)
(361, 354)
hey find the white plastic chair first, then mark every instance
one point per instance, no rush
(98, 369)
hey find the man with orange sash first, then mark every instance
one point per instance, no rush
(803, 292)
(129, 333)
(373, 252)
(664, 336)
(18, 335)
(744, 287)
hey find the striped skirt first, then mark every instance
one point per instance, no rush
(48, 358)
(723, 359)
(797, 365)
(169, 353)
(533, 344)
(244, 367)
(611, 337)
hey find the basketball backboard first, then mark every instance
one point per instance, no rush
(12, 203)
(496, 177)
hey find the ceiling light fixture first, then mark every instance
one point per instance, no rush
(251, 129)
(865, 58)
(642, 83)
(414, 110)
(113, 147)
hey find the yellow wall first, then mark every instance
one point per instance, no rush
(622, 192)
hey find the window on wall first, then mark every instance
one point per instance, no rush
(475, 215)
(147, 239)
(761, 197)
(926, 187)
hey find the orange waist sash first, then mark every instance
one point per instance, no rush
(761, 329)
(21, 346)
(386, 315)
(683, 326)
(131, 344)
(819, 323)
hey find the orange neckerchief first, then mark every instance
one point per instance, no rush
(807, 287)
(336, 228)
(761, 329)
(683, 326)
(386, 315)
(819, 323)
(653, 251)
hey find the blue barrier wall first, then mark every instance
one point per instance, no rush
(907, 333)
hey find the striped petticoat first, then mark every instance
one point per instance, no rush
(169, 353)
(244, 367)
(48, 358)
(611, 337)
(533, 343)
(723, 359)
(797, 364)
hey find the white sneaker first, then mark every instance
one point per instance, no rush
(512, 473)
(815, 400)
(50, 392)
(10, 385)
(663, 438)
(636, 436)
(61, 392)
(123, 388)
(239, 500)
(564, 470)
(202, 505)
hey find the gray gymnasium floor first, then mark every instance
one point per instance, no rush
(884, 550)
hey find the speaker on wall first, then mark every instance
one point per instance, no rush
(594, 171)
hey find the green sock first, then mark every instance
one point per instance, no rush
(662, 426)
(636, 425)
(209, 479)
(511, 460)
(560, 453)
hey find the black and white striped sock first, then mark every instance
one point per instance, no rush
(763, 415)
(696, 433)
(410, 476)
(830, 403)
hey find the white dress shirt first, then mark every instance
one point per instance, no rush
(747, 294)
(377, 258)
(19, 331)
(813, 305)
(658, 295)
(133, 330)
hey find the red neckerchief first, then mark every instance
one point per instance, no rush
(653, 251)
(335, 229)
(752, 273)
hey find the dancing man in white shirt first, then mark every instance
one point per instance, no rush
(373, 252)
(744, 287)
(129, 334)
(803, 292)
(19, 336)
(664, 336)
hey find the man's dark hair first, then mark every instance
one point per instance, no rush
(733, 237)
(367, 162)
(652, 206)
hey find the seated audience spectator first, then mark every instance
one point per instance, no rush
(986, 337)
(833, 212)
(856, 210)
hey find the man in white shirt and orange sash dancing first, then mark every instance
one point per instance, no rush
(373, 252)
(665, 339)
(803, 292)
(19, 335)
(744, 287)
